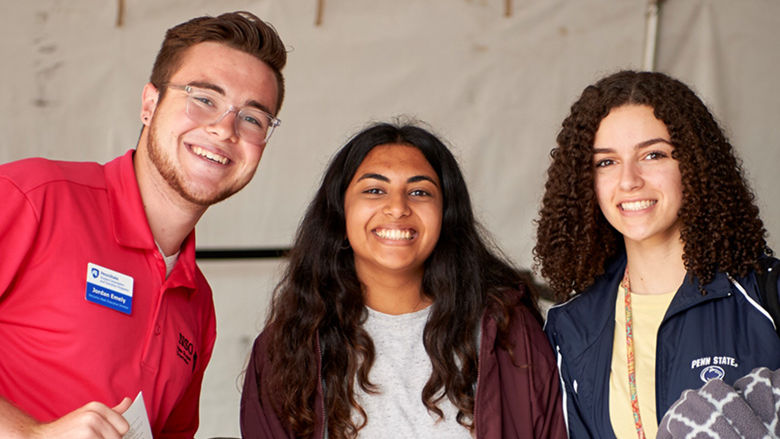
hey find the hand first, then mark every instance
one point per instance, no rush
(94, 421)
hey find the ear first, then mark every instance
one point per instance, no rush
(149, 103)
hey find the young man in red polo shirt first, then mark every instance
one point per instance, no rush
(100, 296)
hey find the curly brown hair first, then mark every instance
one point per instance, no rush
(721, 229)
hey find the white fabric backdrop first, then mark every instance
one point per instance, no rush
(495, 87)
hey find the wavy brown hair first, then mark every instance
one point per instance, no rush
(721, 229)
(318, 310)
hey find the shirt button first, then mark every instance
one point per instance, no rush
(157, 330)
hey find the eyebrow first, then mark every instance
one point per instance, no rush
(207, 85)
(413, 179)
(220, 90)
(639, 145)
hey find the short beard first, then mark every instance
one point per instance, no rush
(168, 172)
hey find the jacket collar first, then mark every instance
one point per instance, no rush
(592, 312)
(689, 294)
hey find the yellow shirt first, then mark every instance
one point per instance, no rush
(647, 311)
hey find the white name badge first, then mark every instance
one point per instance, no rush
(109, 288)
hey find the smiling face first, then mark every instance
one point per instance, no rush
(638, 183)
(196, 163)
(393, 210)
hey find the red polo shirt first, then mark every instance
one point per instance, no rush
(58, 350)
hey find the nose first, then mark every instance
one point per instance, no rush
(397, 206)
(225, 126)
(630, 176)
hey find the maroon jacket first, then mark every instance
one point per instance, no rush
(513, 401)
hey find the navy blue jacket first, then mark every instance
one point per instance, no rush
(723, 334)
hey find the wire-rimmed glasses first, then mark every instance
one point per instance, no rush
(208, 107)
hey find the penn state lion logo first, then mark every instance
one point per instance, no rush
(712, 373)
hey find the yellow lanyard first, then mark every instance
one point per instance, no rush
(640, 432)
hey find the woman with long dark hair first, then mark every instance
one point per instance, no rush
(395, 318)
(650, 233)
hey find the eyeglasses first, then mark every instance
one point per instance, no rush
(208, 107)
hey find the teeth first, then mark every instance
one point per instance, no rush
(637, 205)
(394, 234)
(209, 155)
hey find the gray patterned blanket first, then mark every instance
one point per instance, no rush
(750, 409)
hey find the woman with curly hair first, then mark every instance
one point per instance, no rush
(395, 318)
(649, 230)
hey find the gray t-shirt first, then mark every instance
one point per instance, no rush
(400, 371)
